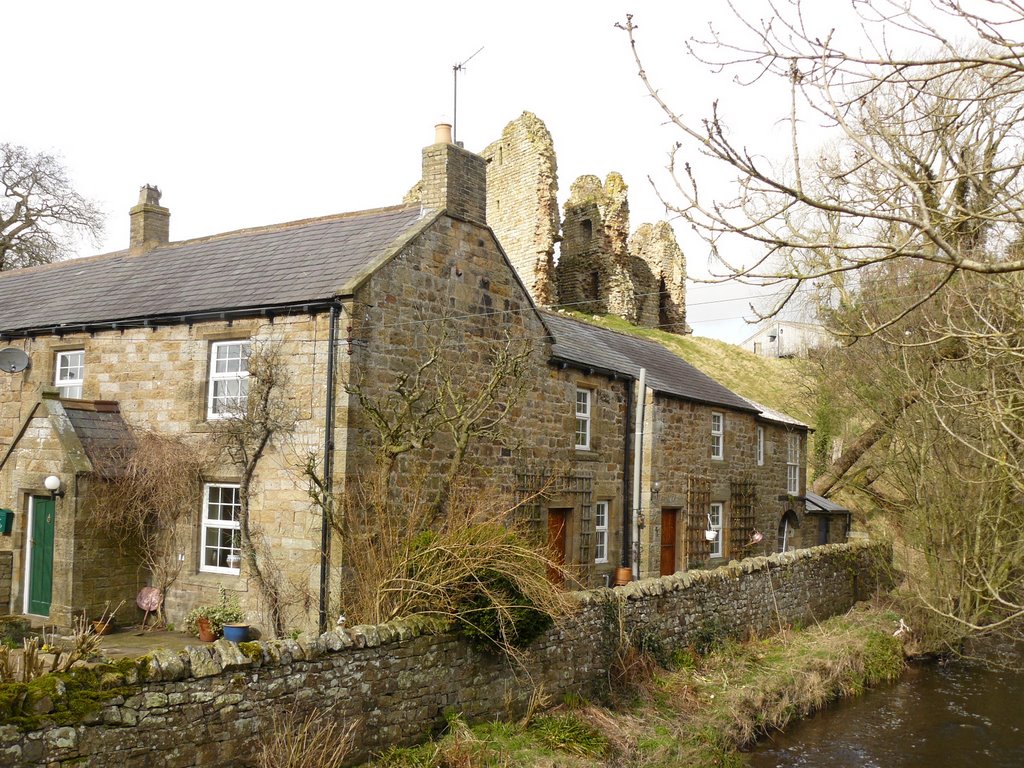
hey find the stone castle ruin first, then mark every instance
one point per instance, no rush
(600, 268)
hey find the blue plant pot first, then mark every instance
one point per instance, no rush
(236, 633)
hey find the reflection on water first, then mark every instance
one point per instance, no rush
(957, 715)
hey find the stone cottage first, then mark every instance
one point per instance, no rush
(646, 465)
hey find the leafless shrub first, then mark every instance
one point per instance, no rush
(478, 567)
(312, 740)
(141, 506)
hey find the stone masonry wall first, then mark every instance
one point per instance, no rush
(207, 706)
(602, 268)
(681, 430)
(160, 378)
(655, 246)
(456, 269)
(6, 576)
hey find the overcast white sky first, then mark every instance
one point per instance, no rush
(246, 114)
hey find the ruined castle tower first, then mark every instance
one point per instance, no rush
(600, 267)
(522, 201)
(593, 266)
(655, 246)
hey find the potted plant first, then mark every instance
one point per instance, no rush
(207, 621)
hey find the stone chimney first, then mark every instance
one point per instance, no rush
(454, 180)
(150, 222)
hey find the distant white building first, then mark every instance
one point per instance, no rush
(787, 338)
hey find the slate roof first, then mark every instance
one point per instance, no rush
(102, 432)
(770, 414)
(291, 263)
(599, 348)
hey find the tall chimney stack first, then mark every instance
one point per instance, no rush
(454, 180)
(150, 222)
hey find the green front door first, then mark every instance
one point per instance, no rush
(40, 576)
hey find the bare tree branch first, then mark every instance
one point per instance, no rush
(40, 212)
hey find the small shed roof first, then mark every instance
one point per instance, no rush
(819, 505)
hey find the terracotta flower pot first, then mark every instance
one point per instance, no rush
(206, 633)
(102, 627)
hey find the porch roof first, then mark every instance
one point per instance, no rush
(770, 414)
(103, 433)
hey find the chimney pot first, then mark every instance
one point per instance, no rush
(443, 133)
(149, 195)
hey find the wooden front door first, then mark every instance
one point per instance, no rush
(40, 574)
(668, 541)
(823, 529)
(557, 519)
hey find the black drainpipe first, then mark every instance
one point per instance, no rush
(325, 525)
(627, 469)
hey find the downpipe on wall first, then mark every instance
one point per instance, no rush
(627, 499)
(325, 524)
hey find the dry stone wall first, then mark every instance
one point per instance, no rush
(207, 706)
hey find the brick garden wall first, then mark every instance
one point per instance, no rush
(205, 706)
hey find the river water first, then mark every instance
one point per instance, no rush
(960, 714)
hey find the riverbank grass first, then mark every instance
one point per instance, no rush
(698, 713)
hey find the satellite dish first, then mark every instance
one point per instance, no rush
(13, 360)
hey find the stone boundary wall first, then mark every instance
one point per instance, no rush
(205, 706)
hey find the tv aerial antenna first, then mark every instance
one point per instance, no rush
(456, 68)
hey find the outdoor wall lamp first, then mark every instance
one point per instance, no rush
(52, 483)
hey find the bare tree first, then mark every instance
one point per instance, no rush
(423, 538)
(435, 400)
(40, 211)
(924, 154)
(899, 208)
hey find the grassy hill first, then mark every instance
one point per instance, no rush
(786, 385)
